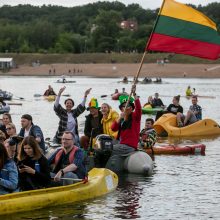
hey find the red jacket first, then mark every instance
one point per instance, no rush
(130, 136)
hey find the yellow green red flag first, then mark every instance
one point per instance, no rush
(182, 29)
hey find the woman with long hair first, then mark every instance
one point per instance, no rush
(6, 118)
(109, 116)
(8, 172)
(34, 171)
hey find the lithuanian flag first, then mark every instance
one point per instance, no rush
(182, 29)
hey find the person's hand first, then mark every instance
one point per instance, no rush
(58, 176)
(27, 169)
(61, 90)
(122, 115)
(38, 139)
(87, 92)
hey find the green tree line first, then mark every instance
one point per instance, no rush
(82, 29)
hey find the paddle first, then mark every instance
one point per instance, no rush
(13, 103)
(18, 97)
(39, 95)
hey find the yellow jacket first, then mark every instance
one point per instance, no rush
(107, 123)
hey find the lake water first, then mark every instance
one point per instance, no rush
(181, 187)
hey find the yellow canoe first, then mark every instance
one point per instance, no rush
(50, 98)
(167, 122)
(101, 181)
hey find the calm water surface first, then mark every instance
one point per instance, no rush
(182, 187)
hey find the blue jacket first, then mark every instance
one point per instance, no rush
(8, 178)
(35, 132)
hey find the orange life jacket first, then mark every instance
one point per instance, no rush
(71, 155)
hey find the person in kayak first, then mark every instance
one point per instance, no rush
(49, 91)
(188, 91)
(93, 125)
(28, 128)
(157, 102)
(193, 115)
(8, 173)
(68, 116)
(128, 124)
(34, 171)
(67, 161)
(109, 117)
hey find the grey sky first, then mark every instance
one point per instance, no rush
(152, 4)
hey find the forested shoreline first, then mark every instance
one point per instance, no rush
(92, 28)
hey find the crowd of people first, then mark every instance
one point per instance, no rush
(24, 166)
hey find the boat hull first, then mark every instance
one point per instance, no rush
(101, 182)
(198, 149)
(138, 162)
(50, 98)
(151, 111)
(167, 123)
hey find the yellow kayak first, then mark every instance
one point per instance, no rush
(167, 122)
(50, 98)
(101, 181)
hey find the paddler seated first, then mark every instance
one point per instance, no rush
(148, 135)
(125, 79)
(49, 91)
(34, 171)
(149, 103)
(67, 161)
(8, 173)
(157, 102)
(188, 91)
(4, 107)
(109, 117)
(93, 125)
(128, 124)
(173, 108)
(193, 115)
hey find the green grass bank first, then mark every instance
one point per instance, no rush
(21, 58)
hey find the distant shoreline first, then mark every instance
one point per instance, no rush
(119, 70)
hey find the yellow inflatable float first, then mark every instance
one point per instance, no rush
(167, 123)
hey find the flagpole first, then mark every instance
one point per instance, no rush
(145, 52)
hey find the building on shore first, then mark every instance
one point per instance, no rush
(6, 63)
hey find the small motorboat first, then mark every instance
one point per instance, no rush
(65, 81)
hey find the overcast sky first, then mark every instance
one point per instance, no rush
(152, 4)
